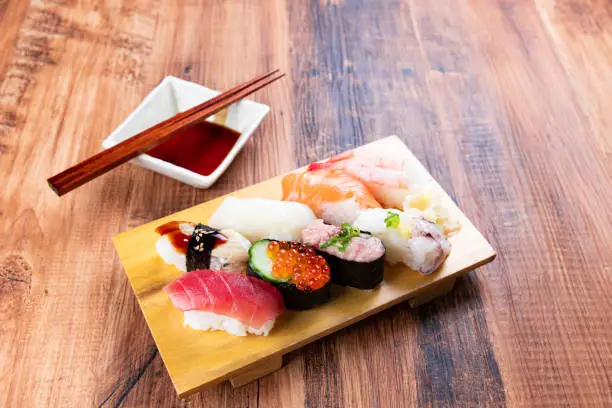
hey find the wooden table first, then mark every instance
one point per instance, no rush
(507, 103)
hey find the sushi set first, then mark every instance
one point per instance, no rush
(230, 286)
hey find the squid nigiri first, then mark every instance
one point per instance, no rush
(237, 304)
(333, 196)
(258, 218)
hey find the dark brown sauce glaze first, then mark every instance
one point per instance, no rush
(200, 148)
(169, 227)
(175, 235)
(179, 239)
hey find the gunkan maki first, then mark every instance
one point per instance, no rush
(301, 275)
(355, 258)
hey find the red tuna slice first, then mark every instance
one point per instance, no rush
(221, 300)
(249, 300)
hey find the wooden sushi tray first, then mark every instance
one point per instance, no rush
(197, 359)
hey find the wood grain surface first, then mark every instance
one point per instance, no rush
(505, 102)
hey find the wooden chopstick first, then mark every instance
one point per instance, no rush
(146, 140)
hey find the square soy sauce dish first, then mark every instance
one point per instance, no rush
(172, 96)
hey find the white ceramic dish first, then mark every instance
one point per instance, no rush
(174, 95)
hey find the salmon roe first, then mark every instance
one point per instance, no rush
(298, 264)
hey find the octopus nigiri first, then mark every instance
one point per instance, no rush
(412, 240)
(333, 196)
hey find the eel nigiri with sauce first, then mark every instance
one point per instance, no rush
(190, 246)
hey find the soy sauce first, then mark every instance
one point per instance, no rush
(200, 148)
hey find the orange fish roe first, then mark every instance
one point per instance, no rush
(298, 264)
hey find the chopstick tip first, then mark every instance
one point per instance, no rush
(53, 187)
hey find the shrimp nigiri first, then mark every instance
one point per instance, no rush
(333, 196)
(384, 175)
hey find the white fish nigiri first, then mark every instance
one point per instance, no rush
(408, 238)
(258, 218)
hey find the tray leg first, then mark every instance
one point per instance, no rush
(257, 370)
(432, 292)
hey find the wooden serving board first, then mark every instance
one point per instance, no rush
(197, 359)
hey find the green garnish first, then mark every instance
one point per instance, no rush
(342, 240)
(392, 220)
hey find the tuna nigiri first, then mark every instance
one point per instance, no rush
(333, 196)
(237, 304)
(384, 175)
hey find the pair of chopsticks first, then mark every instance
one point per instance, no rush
(146, 140)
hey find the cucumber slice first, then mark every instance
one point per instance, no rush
(260, 262)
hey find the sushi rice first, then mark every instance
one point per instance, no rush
(170, 255)
(201, 320)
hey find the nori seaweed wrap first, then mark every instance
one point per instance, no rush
(202, 242)
(300, 274)
(355, 257)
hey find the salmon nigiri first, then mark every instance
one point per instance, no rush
(333, 196)
(384, 175)
(237, 304)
